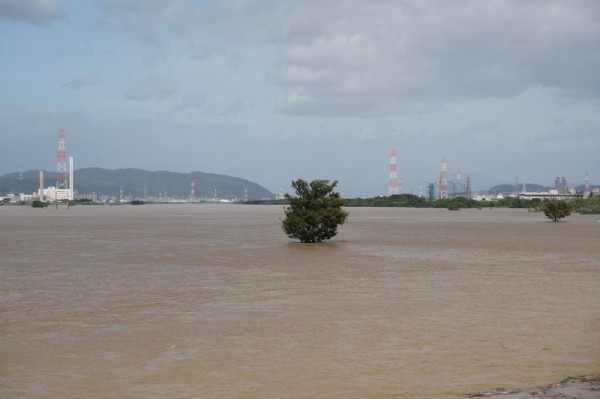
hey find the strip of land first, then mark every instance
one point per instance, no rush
(587, 387)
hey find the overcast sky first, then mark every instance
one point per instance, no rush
(274, 90)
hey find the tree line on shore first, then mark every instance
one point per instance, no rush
(315, 212)
(580, 205)
(589, 205)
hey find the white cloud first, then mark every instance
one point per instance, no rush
(140, 16)
(34, 12)
(230, 106)
(87, 80)
(191, 100)
(153, 87)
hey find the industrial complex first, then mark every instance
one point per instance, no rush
(64, 189)
(442, 188)
(445, 188)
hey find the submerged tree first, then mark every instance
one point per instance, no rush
(314, 214)
(556, 209)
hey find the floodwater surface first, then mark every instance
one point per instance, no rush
(214, 301)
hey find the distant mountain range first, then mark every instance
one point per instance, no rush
(138, 183)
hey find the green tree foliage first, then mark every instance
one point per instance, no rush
(453, 206)
(315, 212)
(516, 202)
(556, 209)
(587, 206)
(414, 201)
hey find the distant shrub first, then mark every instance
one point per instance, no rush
(38, 204)
(453, 206)
(587, 206)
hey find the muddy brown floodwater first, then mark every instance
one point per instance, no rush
(214, 301)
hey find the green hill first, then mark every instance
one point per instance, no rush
(137, 183)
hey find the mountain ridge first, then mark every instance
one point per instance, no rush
(140, 183)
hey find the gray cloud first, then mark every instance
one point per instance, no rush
(504, 88)
(144, 31)
(34, 12)
(141, 16)
(87, 80)
(381, 58)
(191, 100)
(230, 106)
(132, 6)
(153, 87)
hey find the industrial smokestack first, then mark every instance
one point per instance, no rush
(71, 185)
(42, 185)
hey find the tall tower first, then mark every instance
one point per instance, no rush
(443, 180)
(524, 186)
(245, 193)
(586, 189)
(62, 175)
(560, 184)
(430, 192)
(459, 192)
(393, 186)
(468, 190)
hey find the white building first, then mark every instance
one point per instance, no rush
(62, 194)
(552, 194)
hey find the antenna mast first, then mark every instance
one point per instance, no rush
(62, 175)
